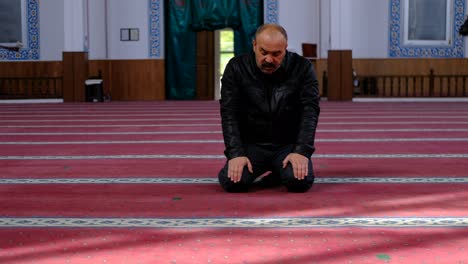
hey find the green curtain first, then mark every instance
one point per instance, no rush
(185, 17)
(212, 14)
(250, 16)
(180, 52)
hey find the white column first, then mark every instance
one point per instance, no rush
(97, 24)
(74, 25)
(341, 31)
(324, 28)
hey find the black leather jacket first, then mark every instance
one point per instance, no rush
(280, 108)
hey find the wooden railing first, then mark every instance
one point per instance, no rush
(430, 85)
(25, 88)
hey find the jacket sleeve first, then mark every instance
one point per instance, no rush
(310, 100)
(230, 111)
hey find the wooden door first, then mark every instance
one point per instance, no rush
(205, 65)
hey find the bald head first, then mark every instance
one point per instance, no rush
(271, 29)
(269, 46)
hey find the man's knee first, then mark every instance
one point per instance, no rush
(235, 187)
(295, 185)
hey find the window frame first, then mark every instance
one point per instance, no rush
(218, 52)
(24, 28)
(398, 49)
(31, 45)
(448, 28)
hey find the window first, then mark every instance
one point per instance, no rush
(13, 24)
(426, 28)
(427, 22)
(224, 44)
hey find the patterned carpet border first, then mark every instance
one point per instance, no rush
(306, 222)
(162, 156)
(213, 180)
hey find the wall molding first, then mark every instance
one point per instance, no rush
(30, 51)
(397, 49)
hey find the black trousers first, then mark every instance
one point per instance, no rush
(264, 158)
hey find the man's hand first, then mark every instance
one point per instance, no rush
(236, 166)
(300, 165)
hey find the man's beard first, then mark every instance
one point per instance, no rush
(268, 67)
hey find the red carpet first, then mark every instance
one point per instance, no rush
(207, 200)
(135, 182)
(254, 246)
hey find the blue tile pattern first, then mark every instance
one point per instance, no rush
(155, 28)
(397, 49)
(271, 11)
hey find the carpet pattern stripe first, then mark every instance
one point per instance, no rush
(300, 222)
(162, 156)
(211, 180)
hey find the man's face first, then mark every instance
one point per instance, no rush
(270, 49)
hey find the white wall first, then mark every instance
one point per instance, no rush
(62, 28)
(368, 28)
(74, 25)
(361, 25)
(324, 43)
(340, 25)
(337, 24)
(301, 19)
(127, 14)
(51, 28)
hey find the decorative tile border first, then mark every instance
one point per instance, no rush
(155, 29)
(271, 12)
(31, 49)
(283, 222)
(214, 180)
(399, 50)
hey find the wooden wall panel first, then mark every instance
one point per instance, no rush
(346, 75)
(30, 79)
(131, 80)
(75, 73)
(403, 67)
(422, 67)
(340, 75)
(320, 69)
(144, 79)
(410, 66)
(205, 65)
(31, 69)
(334, 75)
